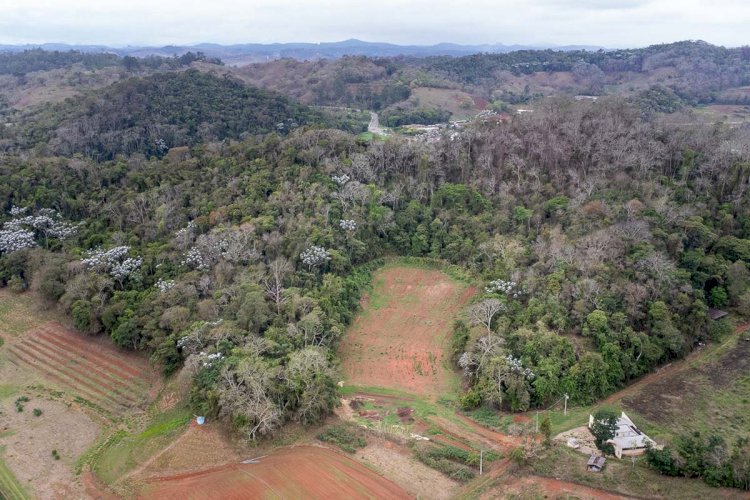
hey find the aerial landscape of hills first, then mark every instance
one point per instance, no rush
(372, 270)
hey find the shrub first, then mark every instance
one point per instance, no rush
(470, 400)
(19, 403)
(345, 436)
(662, 461)
(445, 458)
(55, 455)
(37, 412)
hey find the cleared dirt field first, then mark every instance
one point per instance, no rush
(462, 105)
(412, 475)
(297, 472)
(401, 338)
(28, 441)
(545, 487)
(88, 368)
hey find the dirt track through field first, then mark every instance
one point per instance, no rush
(401, 340)
(309, 472)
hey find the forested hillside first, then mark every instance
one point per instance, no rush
(693, 72)
(152, 114)
(602, 238)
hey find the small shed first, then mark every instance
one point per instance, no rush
(716, 314)
(595, 463)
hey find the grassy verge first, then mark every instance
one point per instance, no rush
(122, 451)
(623, 477)
(20, 312)
(10, 488)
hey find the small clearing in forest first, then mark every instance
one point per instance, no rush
(401, 340)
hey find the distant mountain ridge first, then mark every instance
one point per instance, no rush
(238, 54)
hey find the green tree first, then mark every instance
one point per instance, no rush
(603, 428)
(546, 428)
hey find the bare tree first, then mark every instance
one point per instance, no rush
(244, 393)
(482, 312)
(273, 283)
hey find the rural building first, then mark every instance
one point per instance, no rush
(716, 314)
(628, 440)
(595, 463)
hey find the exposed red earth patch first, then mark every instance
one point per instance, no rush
(401, 339)
(92, 368)
(309, 472)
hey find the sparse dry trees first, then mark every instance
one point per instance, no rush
(483, 312)
(273, 282)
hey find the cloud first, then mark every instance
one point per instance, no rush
(612, 23)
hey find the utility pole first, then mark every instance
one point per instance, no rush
(481, 460)
(565, 411)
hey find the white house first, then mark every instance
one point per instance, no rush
(628, 440)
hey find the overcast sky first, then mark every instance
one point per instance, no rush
(610, 23)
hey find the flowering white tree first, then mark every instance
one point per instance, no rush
(340, 179)
(114, 262)
(164, 285)
(12, 240)
(348, 225)
(314, 256)
(509, 288)
(23, 230)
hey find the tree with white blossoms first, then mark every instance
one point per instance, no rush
(114, 262)
(340, 179)
(348, 225)
(314, 256)
(514, 382)
(193, 258)
(22, 230)
(13, 240)
(509, 288)
(483, 312)
(164, 285)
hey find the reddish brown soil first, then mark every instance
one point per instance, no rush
(90, 367)
(401, 339)
(480, 103)
(546, 487)
(126, 363)
(297, 472)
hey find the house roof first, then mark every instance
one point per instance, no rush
(716, 313)
(628, 436)
(596, 461)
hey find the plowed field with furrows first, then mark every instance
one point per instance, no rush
(113, 380)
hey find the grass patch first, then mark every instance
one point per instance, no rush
(490, 418)
(454, 462)
(346, 436)
(20, 312)
(10, 488)
(122, 452)
(620, 476)
(7, 391)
